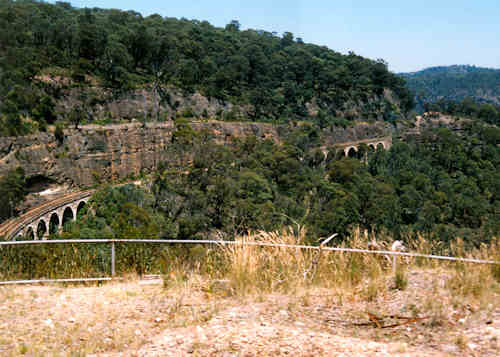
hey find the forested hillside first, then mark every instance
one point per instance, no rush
(61, 65)
(85, 58)
(440, 184)
(455, 83)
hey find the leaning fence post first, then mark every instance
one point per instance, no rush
(394, 262)
(113, 259)
(397, 246)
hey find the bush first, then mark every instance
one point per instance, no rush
(59, 134)
(12, 191)
(400, 279)
(188, 113)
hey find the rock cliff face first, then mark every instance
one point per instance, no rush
(94, 153)
(105, 105)
(104, 153)
(337, 135)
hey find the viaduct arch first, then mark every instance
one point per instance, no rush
(350, 149)
(48, 218)
(53, 221)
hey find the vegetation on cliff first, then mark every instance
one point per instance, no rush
(487, 113)
(12, 192)
(441, 184)
(46, 50)
(123, 211)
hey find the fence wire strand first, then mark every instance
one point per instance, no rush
(220, 243)
(262, 244)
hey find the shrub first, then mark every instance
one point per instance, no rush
(188, 113)
(400, 279)
(59, 134)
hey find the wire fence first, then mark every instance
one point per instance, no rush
(114, 242)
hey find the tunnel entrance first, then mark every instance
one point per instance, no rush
(38, 183)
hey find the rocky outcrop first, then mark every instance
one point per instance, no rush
(103, 153)
(93, 154)
(335, 135)
(110, 106)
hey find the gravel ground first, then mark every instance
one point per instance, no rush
(136, 318)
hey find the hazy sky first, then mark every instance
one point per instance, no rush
(410, 35)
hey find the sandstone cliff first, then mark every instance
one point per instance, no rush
(104, 153)
(94, 153)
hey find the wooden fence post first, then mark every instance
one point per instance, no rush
(113, 259)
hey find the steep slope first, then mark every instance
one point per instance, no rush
(94, 154)
(454, 83)
(55, 56)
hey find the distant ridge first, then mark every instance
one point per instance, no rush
(453, 69)
(455, 82)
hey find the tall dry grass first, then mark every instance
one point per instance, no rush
(244, 269)
(253, 269)
(475, 280)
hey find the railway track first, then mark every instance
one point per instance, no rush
(12, 226)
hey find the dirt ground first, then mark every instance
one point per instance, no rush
(142, 318)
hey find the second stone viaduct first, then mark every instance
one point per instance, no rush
(40, 222)
(350, 149)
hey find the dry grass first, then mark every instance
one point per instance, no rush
(450, 289)
(77, 321)
(243, 270)
(235, 288)
(267, 269)
(252, 268)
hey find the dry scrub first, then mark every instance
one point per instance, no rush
(264, 301)
(251, 268)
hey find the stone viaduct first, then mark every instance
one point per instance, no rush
(350, 149)
(47, 218)
(50, 217)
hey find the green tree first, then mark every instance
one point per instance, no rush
(13, 191)
(116, 63)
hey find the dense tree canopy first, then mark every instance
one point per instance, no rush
(443, 185)
(118, 212)
(276, 77)
(487, 113)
